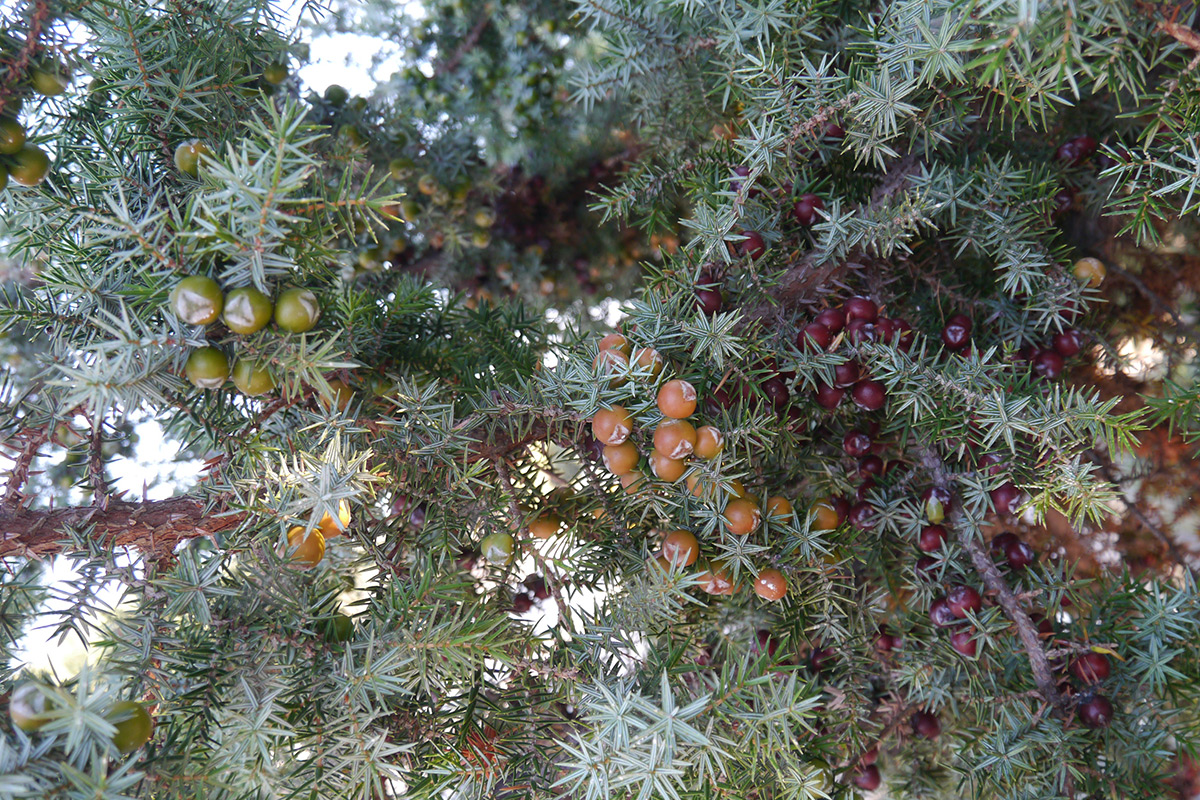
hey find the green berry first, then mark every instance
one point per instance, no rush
(12, 136)
(247, 310)
(275, 74)
(27, 707)
(197, 300)
(400, 168)
(338, 629)
(187, 156)
(207, 368)
(29, 166)
(336, 96)
(3, 177)
(297, 310)
(251, 378)
(50, 80)
(133, 724)
(497, 548)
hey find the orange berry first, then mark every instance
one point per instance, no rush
(770, 585)
(612, 365)
(663, 563)
(612, 425)
(825, 515)
(681, 548)
(633, 481)
(308, 550)
(779, 506)
(677, 399)
(741, 517)
(738, 490)
(667, 469)
(694, 484)
(621, 458)
(615, 341)
(709, 442)
(329, 527)
(675, 438)
(1090, 271)
(714, 579)
(647, 358)
(545, 526)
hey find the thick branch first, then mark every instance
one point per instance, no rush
(1043, 675)
(153, 527)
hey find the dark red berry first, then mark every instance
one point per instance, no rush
(846, 374)
(536, 586)
(868, 778)
(963, 599)
(1068, 343)
(828, 396)
(841, 507)
(932, 538)
(957, 333)
(859, 331)
(1045, 627)
(886, 642)
(861, 308)
(926, 725)
(1096, 713)
(926, 566)
(1048, 364)
(870, 465)
(814, 337)
(1019, 554)
(856, 444)
(862, 515)
(940, 613)
(832, 318)
(834, 131)
(904, 334)
(1064, 199)
(1000, 543)
(964, 642)
(1005, 498)
(777, 393)
(863, 492)
(869, 395)
(522, 603)
(819, 658)
(767, 643)
(885, 330)
(741, 171)
(1075, 151)
(709, 301)
(1091, 667)
(753, 245)
(805, 210)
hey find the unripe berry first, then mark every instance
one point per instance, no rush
(779, 507)
(545, 526)
(615, 341)
(1090, 271)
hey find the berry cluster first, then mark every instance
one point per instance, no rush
(198, 300)
(859, 321)
(307, 547)
(21, 161)
(30, 708)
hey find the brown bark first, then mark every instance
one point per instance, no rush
(153, 527)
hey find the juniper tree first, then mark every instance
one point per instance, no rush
(864, 488)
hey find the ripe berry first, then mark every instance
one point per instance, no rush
(766, 643)
(904, 335)
(770, 585)
(677, 399)
(741, 517)
(308, 549)
(620, 459)
(885, 642)
(1077, 150)
(666, 468)
(247, 310)
(521, 603)
(536, 586)
(753, 245)
(197, 300)
(940, 613)
(714, 579)
(133, 723)
(926, 725)
(297, 310)
(207, 368)
(709, 442)
(865, 488)
(964, 599)
(957, 333)
(709, 300)
(675, 438)
(497, 548)
(870, 465)
(819, 658)
(926, 566)
(612, 425)
(681, 548)
(832, 318)
(545, 526)
(868, 778)
(828, 396)
(856, 444)
(1005, 498)
(859, 331)
(869, 395)
(814, 337)
(846, 374)
(27, 708)
(885, 330)
(862, 515)
(1068, 343)
(932, 538)
(859, 307)
(964, 642)
(1090, 271)
(1096, 712)
(252, 379)
(188, 155)
(999, 544)
(1048, 364)
(805, 209)
(1091, 667)
(1019, 554)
